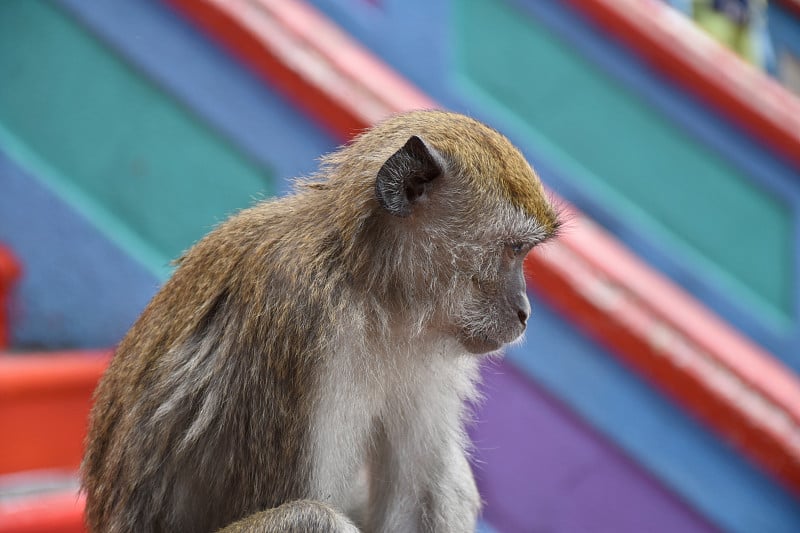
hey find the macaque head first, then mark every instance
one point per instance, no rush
(468, 208)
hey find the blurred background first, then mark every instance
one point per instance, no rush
(658, 387)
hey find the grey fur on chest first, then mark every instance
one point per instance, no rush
(414, 399)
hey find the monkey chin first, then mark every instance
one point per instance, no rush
(480, 345)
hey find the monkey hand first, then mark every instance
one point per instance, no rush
(301, 516)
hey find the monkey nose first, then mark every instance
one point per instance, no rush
(523, 309)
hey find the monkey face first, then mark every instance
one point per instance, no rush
(497, 309)
(464, 207)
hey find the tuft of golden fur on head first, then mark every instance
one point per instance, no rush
(484, 155)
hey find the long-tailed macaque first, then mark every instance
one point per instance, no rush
(306, 366)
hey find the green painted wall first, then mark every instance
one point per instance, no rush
(125, 147)
(634, 156)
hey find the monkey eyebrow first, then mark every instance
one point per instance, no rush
(518, 226)
(551, 232)
(533, 243)
(530, 232)
(555, 231)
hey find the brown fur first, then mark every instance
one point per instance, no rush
(204, 416)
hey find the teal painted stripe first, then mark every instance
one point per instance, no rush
(79, 288)
(105, 221)
(122, 150)
(637, 159)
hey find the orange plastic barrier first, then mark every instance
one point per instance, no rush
(45, 399)
(735, 387)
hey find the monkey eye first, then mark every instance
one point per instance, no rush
(517, 249)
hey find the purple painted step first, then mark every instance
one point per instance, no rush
(540, 469)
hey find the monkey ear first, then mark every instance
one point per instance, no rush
(406, 176)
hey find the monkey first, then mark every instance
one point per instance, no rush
(308, 365)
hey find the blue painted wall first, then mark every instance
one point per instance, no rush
(681, 454)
